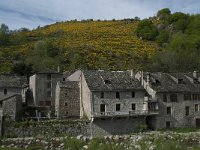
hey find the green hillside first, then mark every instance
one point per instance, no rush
(86, 44)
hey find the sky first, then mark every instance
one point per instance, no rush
(33, 13)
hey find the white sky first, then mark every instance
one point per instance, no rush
(32, 13)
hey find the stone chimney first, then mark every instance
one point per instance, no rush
(195, 75)
(58, 69)
(132, 73)
(148, 78)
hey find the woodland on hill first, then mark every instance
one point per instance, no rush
(167, 42)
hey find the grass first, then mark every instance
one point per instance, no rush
(181, 130)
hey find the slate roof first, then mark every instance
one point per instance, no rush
(47, 71)
(7, 81)
(68, 84)
(111, 80)
(168, 82)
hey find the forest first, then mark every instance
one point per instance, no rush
(167, 42)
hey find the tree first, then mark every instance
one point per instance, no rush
(22, 69)
(162, 38)
(146, 30)
(4, 35)
(163, 13)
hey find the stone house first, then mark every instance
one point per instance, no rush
(178, 96)
(114, 101)
(67, 103)
(43, 85)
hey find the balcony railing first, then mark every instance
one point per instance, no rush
(127, 113)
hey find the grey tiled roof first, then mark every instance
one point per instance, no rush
(47, 71)
(115, 80)
(69, 84)
(168, 82)
(7, 81)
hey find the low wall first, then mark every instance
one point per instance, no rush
(56, 128)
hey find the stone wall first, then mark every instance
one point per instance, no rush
(126, 100)
(178, 117)
(99, 127)
(12, 107)
(113, 126)
(68, 102)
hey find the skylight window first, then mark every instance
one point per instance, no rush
(107, 81)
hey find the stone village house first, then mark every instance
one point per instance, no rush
(115, 102)
(178, 96)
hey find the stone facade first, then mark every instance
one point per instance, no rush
(178, 99)
(67, 100)
(43, 85)
(12, 107)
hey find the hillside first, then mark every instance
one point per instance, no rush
(71, 45)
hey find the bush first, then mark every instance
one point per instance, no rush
(73, 144)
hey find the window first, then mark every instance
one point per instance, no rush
(5, 91)
(66, 104)
(173, 98)
(117, 107)
(1, 103)
(195, 96)
(187, 96)
(196, 107)
(164, 97)
(102, 108)
(41, 103)
(117, 95)
(48, 103)
(48, 76)
(133, 94)
(66, 113)
(168, 125)
(102, 95)
(107, 81)
(48, 84)
(169, 110)
(133, 106)
(180, 81)
(195, 81)
(187, 110)
(48, 93)
(63, 79)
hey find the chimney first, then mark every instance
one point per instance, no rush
(195, 75)
(58, 69)
(148, 78)
(132, 73)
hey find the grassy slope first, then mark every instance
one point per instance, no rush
(112, 42)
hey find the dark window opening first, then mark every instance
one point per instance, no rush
(195, 96)
(48, 84)
(1, 104)
(133, 94)
(102, 108)
(133, 107)
(164, 97)
(196, 81)
(63, 79)
(48, 103)
(102, 95)
(187, 110)
(48, 76)
(168, 125)
(157, 81)
(117, 107)
(117, 95)
(66, 113)
(173, 98)
(196, 107)
(5, 91)
(66, 104)
(107, 81)
(187, 96)
(49, 94)
(169, 110)
(180, 81)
